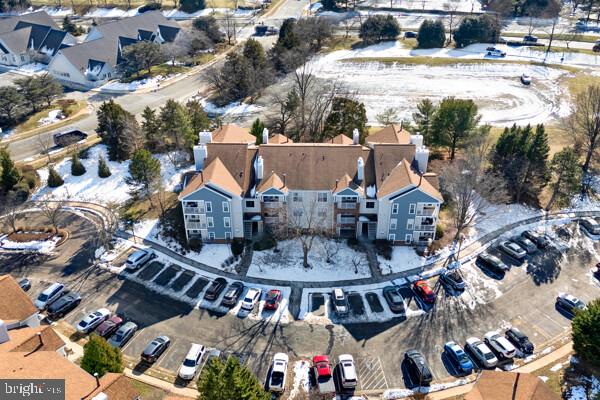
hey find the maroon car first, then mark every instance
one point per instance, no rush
(273, 299)
(110, 326)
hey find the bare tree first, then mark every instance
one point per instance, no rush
(451, 9)
(348, 24)
(52, 209)
(180, 47)
(230, 28)
(45, 142)
(286, 106)
(10, 210)
(331, 247)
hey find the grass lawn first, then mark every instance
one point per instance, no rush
(580, 81)
(144, 209)
(555, 49)
(341, 43)
(555, 378)
(567, 37)
(161, 69)
(83, 5)
(148, 392)
(32, 122)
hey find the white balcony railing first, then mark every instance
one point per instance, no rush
(346, 220)
(346, 206)
(195, 225)
(426, 212)
(424, 228)
(193, 210)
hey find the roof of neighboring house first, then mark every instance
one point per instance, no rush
(403, 176)
(230, 133)
(38, 17)
(339, 139)
(500, 385)
(280, 139)
(433, 179)
(116, 386)
(129, 27)
(387, 156)
(15, 305)
(16, 41)
(272, 181)
(345, 183)
(100, 50)
(27, 340)
(215, 173)
(390, 134)
(53, 41)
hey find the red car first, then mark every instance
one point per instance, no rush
(273, 299)
(110, 326)
(322, 366)
(423, 290)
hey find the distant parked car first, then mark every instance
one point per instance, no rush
(189, 366)
(232, 294)
(215, 289)
(155, 348)
(348, 376)
(596, 47)
(512, 249)
(63, 305)
(272, 300)
(590, 225)
(526, 244)
(49, 295)
(392, 295)
(526, 79)
(90, 322)
(457, 355)
(482, 352)
(278, 375)
(251, 298)
(492, 263)
(424, 292)
(418, 368)
(25, 284)
(520, 340)
(123, 334)
(530, 38)
(540, 240)
(340, 301)
(138, 258)
(494, 52)
(453, 280)
(410, 35)
(110, 326)
(500, 345)
(570, 303)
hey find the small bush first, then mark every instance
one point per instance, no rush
(384, 248)
(237, 246)
(67, 106)
(264, 243)
(431, 34)
(54, 179)
(439, 231)
(77, 168)
(103, 170)
(195, 244)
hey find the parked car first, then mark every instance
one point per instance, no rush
(453, 279)
(596, 47)
(90, 322)
(278, 375)
(526, 79)
(482, 353)
(590, 225)
(272, 300)
(540, 240)
(215, 289)
(526, 244)
(457, 355)
(340, 301)
(348, 376)
(25, 284)
(214, 353)
(597, 271)
(123, 334)
(251, 298)
(494, 52)
(155, 348)
(512, 249)
(424, 292)
(138, 258)
(491, 262)
(570, 303)
(232, 294)
(110, 326)
(189, 366)
(520, 340)
(417, 367)
(395, 301)
(63, 305)
(501, 345)
(530, 38)
(323, 375)
(49, 295)
(410, 35)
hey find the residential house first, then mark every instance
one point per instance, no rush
(380, 190)
(32, 37)
(501, 385)
(16, 308)
(92, 63)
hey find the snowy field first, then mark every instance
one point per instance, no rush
(89, 187)
(404, 258)
(458, 5)
(132, 86)
(287, 263)
(37, 246)
(496, 88)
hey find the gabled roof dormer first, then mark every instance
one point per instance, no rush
(215, 177)
(402, 178)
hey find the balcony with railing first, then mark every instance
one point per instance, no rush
(430, 228)
(271, 220)
(193, 210)
(195, 225)
(347, 206)
(271, 204)
(346, 220)
(426, 212)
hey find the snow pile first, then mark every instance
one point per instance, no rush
(287, 263)
(301, 379)
(115, 86)
(56, 11)
(119, 247)
(178, 14)
(235, 108)
(89, 187)
(393, 394)
(53, 117)
(111, 13)
(37, 246)
(580, 392)
(556, 367)
(403, 259)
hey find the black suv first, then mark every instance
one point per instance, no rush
(215, 289)
(394, 299)
(62, 306)
(520, 340)
(418, 368)
(492, 263)
(540, 240)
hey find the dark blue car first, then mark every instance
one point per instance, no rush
(458, 356)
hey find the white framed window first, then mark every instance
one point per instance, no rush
(370, 204)
(211, 235)
(297, 212)
(392, 237)
(250, 203)
(395, 208)
(227, 222)
(322, 212)
(393, 224)
(412, 208)
(210, 222)
(227, 235)
(322, 197)
(408, 238)
(225, 206)
(296, 197)
(410, 224)
(208, 206)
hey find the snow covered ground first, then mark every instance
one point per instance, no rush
(301, 379)
(496, 88)
(38, 246)
(232, 109)
(404, 258)
(116, 86)
(53, 117)
(579, 392)
(56, 11)
(111, 13)
(89, 187)
(458, 5)
(287, 263)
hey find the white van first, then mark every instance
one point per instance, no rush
(348, 371)
(189, 367)
(49, 295)
(138, 258)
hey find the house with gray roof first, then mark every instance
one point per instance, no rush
(92, 63)
(32, 37)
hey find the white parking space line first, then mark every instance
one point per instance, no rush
(370, 374)
(164, 356)
(554, 321)
(134, 337)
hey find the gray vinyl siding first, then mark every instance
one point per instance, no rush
(403, 215)
(217, 214)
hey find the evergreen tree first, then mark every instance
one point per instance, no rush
(11, 103)
(454, 123)
(9, 174)
(287, 36)
(566, 173)
(483, 28)
(227, 380)
(119, 130)
(151, 129)
(210, 27)
(423, 119)
(199, 120)
(191, 6)
(176, 126)
(77, 167)
(257, 130)
(103, 170)
(50, 89)
(345, 116)
(144, 171)
(586, 341)
(255, 54)
(379, 27)
(432, 34)
(54, 179)
(100, 357)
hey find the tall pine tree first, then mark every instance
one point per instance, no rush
(257, 129)
(566, 177)
(226, 380)
(176, 126)
(151, 129)
(144, 171)
(119, 130)
(9, 175)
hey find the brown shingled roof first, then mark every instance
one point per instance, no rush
(344, 183)
(231, 133)
(403, 176)
(393, 134)
(279, 139)
(339, 139)
(215, 173)
(15, 305)
(26, 340)
(272, 181)
(500, 385)
(116, 387)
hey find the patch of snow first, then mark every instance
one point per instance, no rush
(301, 379)
(404, 258)
(111, 13)
(56, 11)
(235, 108)
(146, 83)
(590, 389)
(393, 394)
(37, 246)
(543, 378)
(547, 350)
(53, 117)
(371, 191)
(178, 14)
(556, 367)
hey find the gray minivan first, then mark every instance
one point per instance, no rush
(49, 295)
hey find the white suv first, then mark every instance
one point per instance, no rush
(483, 353)
(189, 367)
(500, 344)
(138, 258)
(251, 298)
(340, 301)
(348, 371)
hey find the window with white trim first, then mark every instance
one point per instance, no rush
(412, 208)
(296, 197)
(322, 212)
(225, 206)
(297, 212)
(227, 235)
(250, 203)
(227, 222)
(395, 208)
(370, 204)
(410, 224)
(211, 235)
(408, 238)
(208, 206)
(322, 197)
(210, 222)
(393, 223)
(392, 237)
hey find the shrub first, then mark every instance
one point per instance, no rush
(195, 244)
(237, 246)
(586, 341)
(379, 27)
(439, 231)
(77, 168)
(264, 243)
(30, 176)
(431, 34)
(103, 170)
(54, 179)
(84, 154)
(384, 248)
(100, 357)
(477, 29)
(149, 7)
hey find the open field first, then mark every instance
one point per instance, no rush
(83, 5)
(569, 36)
